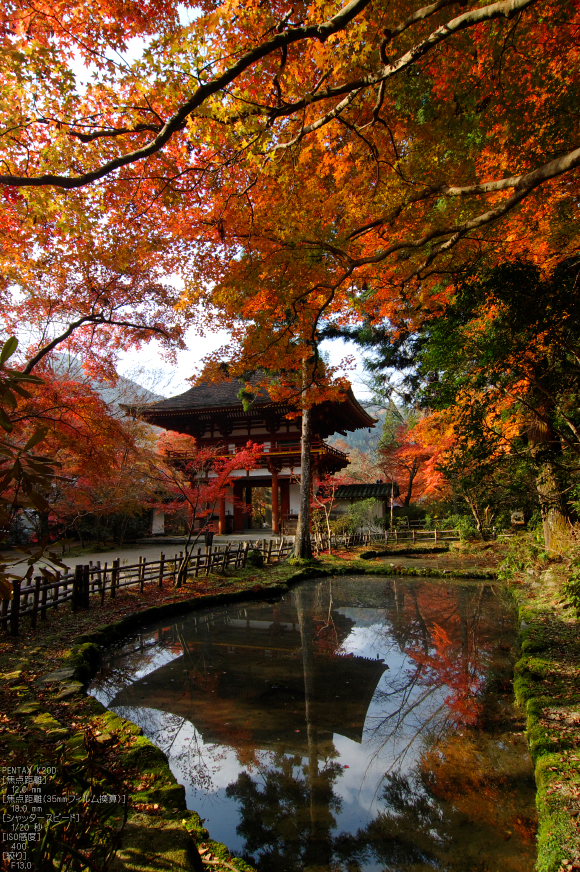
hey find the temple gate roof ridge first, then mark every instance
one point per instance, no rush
(222, 398)
(214, 395)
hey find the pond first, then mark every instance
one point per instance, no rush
(356, 724)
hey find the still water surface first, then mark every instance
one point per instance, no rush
(356, 724)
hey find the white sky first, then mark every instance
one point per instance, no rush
(174, 381)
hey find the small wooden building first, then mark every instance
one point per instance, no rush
(215, 416)
(381, 491)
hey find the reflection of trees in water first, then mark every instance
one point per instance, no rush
(457, 787)
(450, 638)
(394, 838)
(197, 762)
(141, 655)
(287, 814)
(453, 814)
(287, 817)
(455, 790)
(289, 803)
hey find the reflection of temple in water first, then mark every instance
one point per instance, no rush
(275, 677)
(227, 681)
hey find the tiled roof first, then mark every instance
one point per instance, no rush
(216, 401)
(209, 395)
(379, 491)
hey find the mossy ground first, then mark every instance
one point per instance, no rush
(48, 717)
(547, 683)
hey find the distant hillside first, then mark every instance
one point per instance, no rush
(124, 392)
(362, 440)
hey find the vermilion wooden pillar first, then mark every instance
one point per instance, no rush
(238, 508)
(285, 498)
(275, 518)
(248, 507)
(222, 518)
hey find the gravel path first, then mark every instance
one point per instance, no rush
(131, 553)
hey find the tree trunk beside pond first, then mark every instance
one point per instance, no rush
(303, 541)
(546, 450)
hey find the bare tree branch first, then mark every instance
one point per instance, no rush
(524, 186)
(505, 9)
(96, 318)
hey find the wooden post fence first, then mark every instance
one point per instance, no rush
(115, 577)
(86, 587)
(35, 599)
(77, 586)
(49, 590)
(15, 610)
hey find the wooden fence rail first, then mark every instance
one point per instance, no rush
(79, 586)
(414, 535)
(385, 536)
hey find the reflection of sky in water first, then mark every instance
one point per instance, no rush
(368, 639)
(130, 665)
(215, 767)
(403, 714)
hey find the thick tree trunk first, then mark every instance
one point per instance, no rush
(552, 503)
(303, 542)
(412, 475)
(545, 448)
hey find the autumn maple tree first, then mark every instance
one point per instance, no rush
(324, 500)
(25, 472)
(500, 375)
(405, 460)
(377, 143)
(307, 164)
(80, 433)
(187, 477)
(283, 81)
(65, 455)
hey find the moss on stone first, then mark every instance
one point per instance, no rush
(544, 685)
(46, 722)
(156, 845)
(143, 754)
(27, 707)
(75, 750)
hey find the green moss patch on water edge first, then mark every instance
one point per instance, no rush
(333, 566)
(547, 684)
(404, 551)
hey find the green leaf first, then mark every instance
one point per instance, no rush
(38, 501)
(8, 349)
(9, 399)
(36, 437)
(22, 392)
(16, 375)
(5, 422)
(25, 377)
(40, 467)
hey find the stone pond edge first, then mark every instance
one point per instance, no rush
(536, 678)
